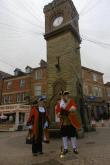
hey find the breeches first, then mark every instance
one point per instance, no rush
(68, 131)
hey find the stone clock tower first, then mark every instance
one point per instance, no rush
(63, 55)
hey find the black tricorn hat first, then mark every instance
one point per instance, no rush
(66, 93)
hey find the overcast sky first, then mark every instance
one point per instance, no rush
(22, 28)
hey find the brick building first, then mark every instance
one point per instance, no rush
(15, 88)
(39, 80)
(3, 75)
(23, 87)
(18, 91)
(12, 111)
(94, 92)
(31, 83)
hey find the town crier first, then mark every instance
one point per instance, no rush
(39, 120)
(66, 110)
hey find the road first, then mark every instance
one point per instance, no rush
(94, 149)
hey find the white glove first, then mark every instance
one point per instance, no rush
(46, 124)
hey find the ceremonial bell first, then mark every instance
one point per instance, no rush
(61, 153)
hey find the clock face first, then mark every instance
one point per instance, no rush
(58, 21)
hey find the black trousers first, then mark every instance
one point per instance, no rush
(36, 146)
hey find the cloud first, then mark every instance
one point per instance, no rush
(22, 27)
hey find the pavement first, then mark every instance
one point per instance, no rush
(94, 149)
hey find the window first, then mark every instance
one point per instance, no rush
(97, 91)
(10, 118)
(38, 90)
(86, 90)
(21, 117)
(100, 92)
(108, 92)
(28, 70)
(38, 74)
(7, 99)
(22, 83)
(9, 84)
(20, 97)
(94, 77)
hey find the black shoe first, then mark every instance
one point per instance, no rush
(65, 151)
(75, 151)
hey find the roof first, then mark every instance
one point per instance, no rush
(107, 84)
(92, 70)
(17, 76)
(4, 75)
(37, 68)
(43, 65)
(28, 67)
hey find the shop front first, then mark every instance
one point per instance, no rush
(108, 109)
(96, 108)
(13, 117)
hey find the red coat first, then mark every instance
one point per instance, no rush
(69, 105)
(33, 119)
(72, 115)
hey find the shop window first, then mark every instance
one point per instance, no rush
(9, 118)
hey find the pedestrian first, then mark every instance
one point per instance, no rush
(39, 115)
(66, 110)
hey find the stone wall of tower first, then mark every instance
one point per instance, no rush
(63, 43)
(65, 46)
